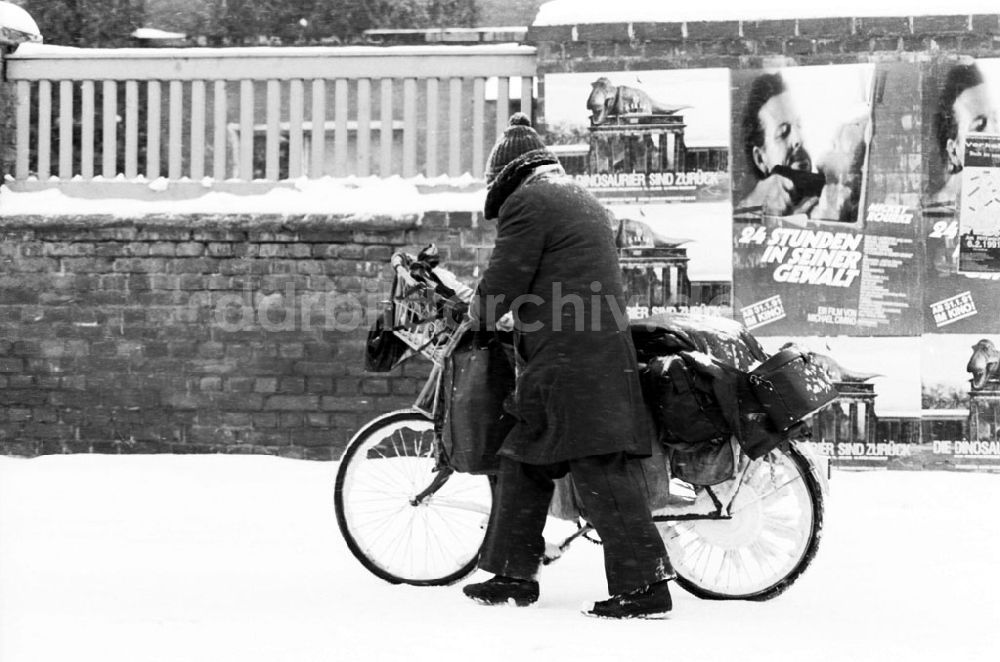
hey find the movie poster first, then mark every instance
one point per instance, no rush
(979, 205)
(639, 136)
(961, 411)
(960, 228)
(654, 146)
(815, 251)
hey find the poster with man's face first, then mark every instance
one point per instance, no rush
(961, 98)
(815, 251)
(800, 139)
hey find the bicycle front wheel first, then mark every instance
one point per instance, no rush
(772, 536)
(404, 521)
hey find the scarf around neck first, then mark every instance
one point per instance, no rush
(513, 175)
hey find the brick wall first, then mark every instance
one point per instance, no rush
(740, 44)
(203, 334)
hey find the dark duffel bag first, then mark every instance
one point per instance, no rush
(383, 348)
(683, 397)
(478, 378)
(758, 435)
(790, 387)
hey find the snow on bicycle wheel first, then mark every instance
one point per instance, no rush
(404, 521)
(769, 540)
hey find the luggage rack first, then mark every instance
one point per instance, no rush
(425, 320)
(430, 323)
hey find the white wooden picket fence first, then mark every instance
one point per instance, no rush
(263, 113)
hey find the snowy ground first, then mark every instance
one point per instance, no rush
(149, 558)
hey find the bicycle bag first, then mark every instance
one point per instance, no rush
(790, 387)
(383, 348)
(476, 381)
(710, 463)
(688, 412)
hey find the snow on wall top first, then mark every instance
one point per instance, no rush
(50, 51)
(574, 12)
(369, 195)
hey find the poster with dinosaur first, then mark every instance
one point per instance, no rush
(654, 147)
(637, 136)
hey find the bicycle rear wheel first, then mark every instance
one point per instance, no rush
(773, 535)
(396, 534)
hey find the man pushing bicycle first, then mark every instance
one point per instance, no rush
(577, 402)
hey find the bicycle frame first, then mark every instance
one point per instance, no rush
(722, 504)
(427, 400)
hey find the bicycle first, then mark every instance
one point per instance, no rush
(409, 520)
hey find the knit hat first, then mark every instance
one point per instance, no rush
(518, 138)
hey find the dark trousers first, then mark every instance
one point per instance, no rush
(634, 555)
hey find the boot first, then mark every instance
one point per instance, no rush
(652, 601)
(502, 590)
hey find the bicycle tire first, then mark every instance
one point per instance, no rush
(746, 529)
(433, 543)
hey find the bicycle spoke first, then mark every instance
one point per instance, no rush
(467, 506)
(406, 467)
(382, 526)
(777, 491)
(765, 539)
(388, 482)
(764, 554)
(739, 566)
(424, 543)
(722, 567)
(449, 528)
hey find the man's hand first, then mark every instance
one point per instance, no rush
(477, 312)
(774, 195)
(506, 323)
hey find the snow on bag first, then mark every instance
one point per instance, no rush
(685, 402)
(790, 387)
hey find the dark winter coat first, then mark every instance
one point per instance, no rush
(578, 392)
